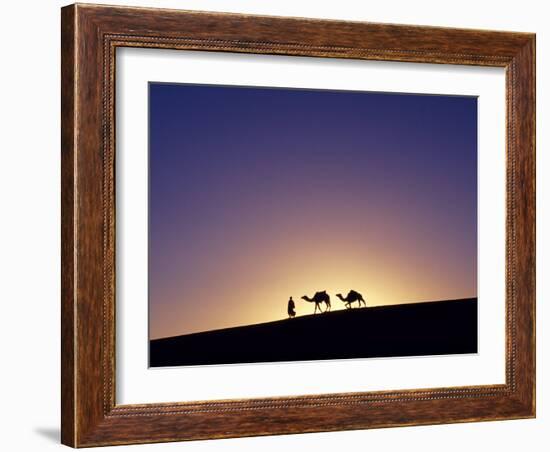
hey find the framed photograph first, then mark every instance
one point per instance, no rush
(281, 225)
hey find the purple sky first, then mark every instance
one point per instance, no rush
(257, 194)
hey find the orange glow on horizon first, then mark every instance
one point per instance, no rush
(255, 290)
(258, 194)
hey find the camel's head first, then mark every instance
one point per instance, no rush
(339, 295)
(304, 297)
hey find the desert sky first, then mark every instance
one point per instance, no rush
(258, 194)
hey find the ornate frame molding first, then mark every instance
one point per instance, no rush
(90, 36)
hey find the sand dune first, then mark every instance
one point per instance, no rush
(434, 328)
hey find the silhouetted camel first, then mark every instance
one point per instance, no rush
(318, 298)
(352, 297)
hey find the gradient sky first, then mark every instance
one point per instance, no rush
(257, 194)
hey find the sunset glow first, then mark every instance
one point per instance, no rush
(258, 194)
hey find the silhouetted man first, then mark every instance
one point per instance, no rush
(290, 309)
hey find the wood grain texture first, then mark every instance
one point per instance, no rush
(90, 36)
(68, 311)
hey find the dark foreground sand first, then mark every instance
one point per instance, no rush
(434, 328)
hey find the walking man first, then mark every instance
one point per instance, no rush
(290, 309)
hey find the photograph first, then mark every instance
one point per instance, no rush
(295, 224)
(278, 221)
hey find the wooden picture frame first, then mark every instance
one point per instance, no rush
(90, 36)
